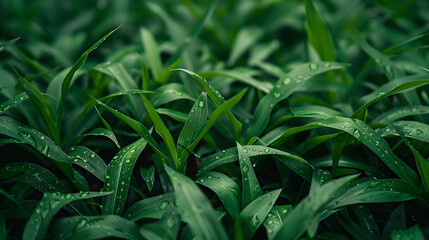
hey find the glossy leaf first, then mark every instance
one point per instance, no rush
(118, 175)
(250, 184)
(153, 207)
(88, 160)
(252, 216)
(148, 175)
(47, 208)
(226, 189)
(195, 208)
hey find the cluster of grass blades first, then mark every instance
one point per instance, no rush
(221, 120)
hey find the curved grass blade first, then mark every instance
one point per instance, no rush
(67, 80)
(140, 129)
(195, 31)
(176, 115)
(389, 89)
(225, 188)
(421, 162)
(410, 129)
(283, 88)
(148, 175)
(345, 162)
(218, 99)
(252, 216)
(412, 233)
(195, 208)
(153, 207)
(195, 122)
(105, 133)
(50, 204)
(166, 228)
(94, 227)
(223, 109)
(245, 38)
(370, 138)
(274, 221)
(162, 130)
(260, 85)
(231, 155)
(400, 112)
(41, 143)
(307, 212)
(13, 102)
(42, 105)
(118, 175)
(318, 33)
(88, 160)
(125, 92)
(152, 53)
(125, 82)
(168, 93)
(396, 221)
(6, 44)
(376, 191)
(250, 184)
(34, 175)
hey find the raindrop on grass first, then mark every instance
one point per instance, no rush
(276, 94)
(287, 80)
(245, 169)
(201, 104)
(163, 205)
(314, 66)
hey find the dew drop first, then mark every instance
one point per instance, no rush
(314, 66)
(201, 104)
(163, 205)
(245, 169)
(276, 94)
(356, 134)
(287, 80)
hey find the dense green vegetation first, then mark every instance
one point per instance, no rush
(214, 119)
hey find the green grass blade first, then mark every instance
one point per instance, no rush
(274, 219)
(226, 189)
(6, 44)
(43, 106)
(88, 160)
(118, 175)
(176, 115)
(422, 164)
(218, 99)
(283, 88)
(250, 184)
(318, 33)
(162, 130)
(50, 204)
(94, 227)
(105, 133)
(153, 207)
(140, 129)
(396, 221)
(223, 109)
(252, 216)
(195, 208)
(412, 233)
(166, 228)
(152, 53)
(400, 112)
(67, 80)
(34, 175)
(410, 129)
(13, 102)
(245, 38)
(260, 85)
(41, 143)
(390, 88)
(376, 191)
(169, 93)
(148, 175)
(308, 211)
(195, 122)
(231, 155)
